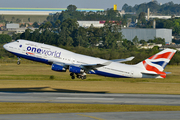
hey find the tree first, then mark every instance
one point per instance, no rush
(71, 8)
(111, 35)
(57, 25)
(159, 41)
(135, 41)
(26, 35)
(142, 19)
(29, 19)
(81, 38)
(176, 58)
(35, 24)
(165, 9)
(18, 20)
(125, 6)
(5, 38)
(13, 18)
(143, 42)
(45, 26)
(1, 18)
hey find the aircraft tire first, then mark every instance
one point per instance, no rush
(83, 77)
(18, 62)
(72, 77)
(78, 76)
(71, 74)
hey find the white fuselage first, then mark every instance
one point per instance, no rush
(49, 54)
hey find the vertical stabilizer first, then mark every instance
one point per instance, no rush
(156, 63)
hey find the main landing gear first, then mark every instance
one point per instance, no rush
(80, 76)
(18, 62)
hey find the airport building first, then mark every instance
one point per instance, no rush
(86, 24)
(39, 11)
(147, 33)
(12, 26)
(160, 17)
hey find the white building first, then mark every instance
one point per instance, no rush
(89, 23)
(147, 33)
(12, 26)
(160, 17)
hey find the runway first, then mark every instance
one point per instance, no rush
(167, 115)
(90, 98)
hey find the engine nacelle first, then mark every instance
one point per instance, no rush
(75, 69)
(58, 68)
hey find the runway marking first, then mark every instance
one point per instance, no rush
(79, 94)
(77, 98)
(90, 117)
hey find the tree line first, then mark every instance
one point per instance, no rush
(172, 23)
(69, 33)
(165, 9)
(71, 12)
(62, 30)
(106, 42)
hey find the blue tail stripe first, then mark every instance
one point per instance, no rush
(161, 63)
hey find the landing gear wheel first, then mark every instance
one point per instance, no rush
(71, 74)
(18, 62)
(78, 76)
(83, 77)
(72, 77)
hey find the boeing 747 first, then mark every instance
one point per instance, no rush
(80, 65)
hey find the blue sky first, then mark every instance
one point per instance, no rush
(103, 4)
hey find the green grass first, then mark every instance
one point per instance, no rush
(36, 77)
(40, 77)
(22, 108)
(35, 71)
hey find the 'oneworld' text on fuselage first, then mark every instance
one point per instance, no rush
(42, 51)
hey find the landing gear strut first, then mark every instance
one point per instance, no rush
(83, 76)
(18, 62)
(80, 76)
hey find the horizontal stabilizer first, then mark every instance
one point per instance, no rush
(168, 72)
(153, 73)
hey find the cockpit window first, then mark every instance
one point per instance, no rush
(17, 41)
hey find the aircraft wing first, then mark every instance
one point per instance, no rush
(123, 60)
(94, 66)
(87, 67)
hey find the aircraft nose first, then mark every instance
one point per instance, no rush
(5, 46)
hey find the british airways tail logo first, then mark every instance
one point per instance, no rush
(42, 51)
(158, 62)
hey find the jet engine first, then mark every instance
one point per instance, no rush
(75, 69)
(58, 68)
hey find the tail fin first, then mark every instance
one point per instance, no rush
(156, 63)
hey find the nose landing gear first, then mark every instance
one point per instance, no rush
(18, 62)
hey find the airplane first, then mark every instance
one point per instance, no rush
(80, 65)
